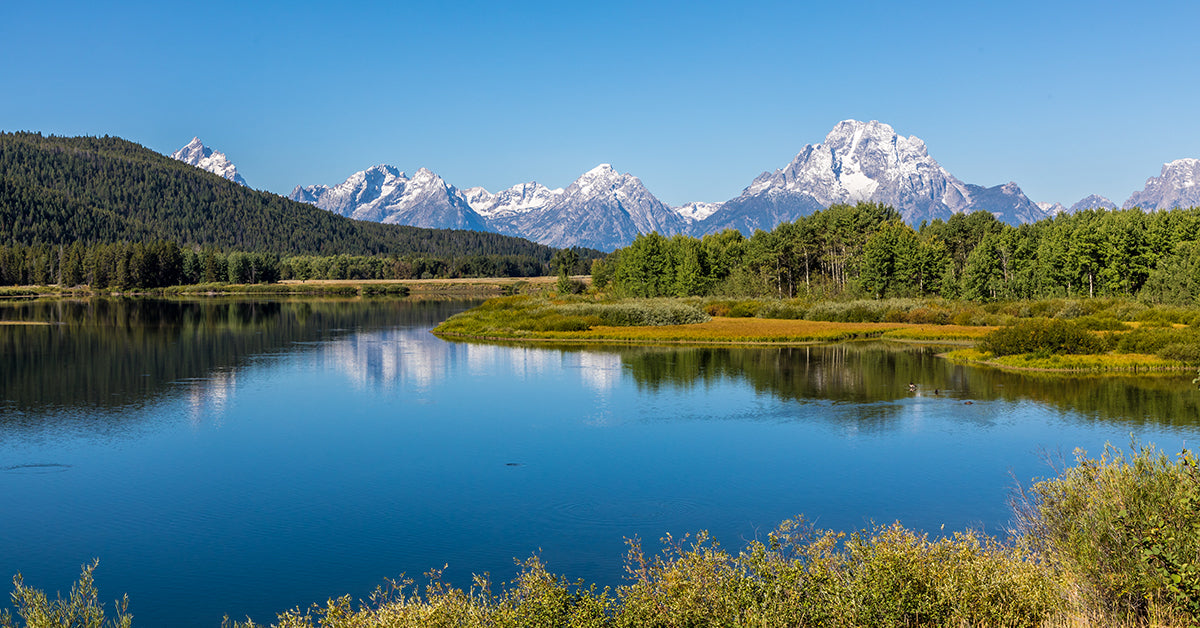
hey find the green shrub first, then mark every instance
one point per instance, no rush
(635, 313)
(650, 313)
(1070, 310)
(1127, 530)
(1186, 352)
(1156, 339)
(82, 609)
(888, 576)
(1094, 322)
(782, 310)
(745, 308)
(1042, 336)
(928, 315)
(1165, 316)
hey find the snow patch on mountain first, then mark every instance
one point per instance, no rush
(1092, 201)
(602, 209)
(197, 154)
(1051, 209)
(385, 194)
(865, 161)
(697, 211)
(1176, 186)
(519, 199)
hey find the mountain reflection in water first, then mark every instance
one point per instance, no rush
(101, 355)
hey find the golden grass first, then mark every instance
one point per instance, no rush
(1099, 363)
(722, 330)
(937, 333)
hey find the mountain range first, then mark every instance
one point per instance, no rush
(606, 209)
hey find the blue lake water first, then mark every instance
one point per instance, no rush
(240, 458)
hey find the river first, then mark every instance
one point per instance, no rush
(238, 457)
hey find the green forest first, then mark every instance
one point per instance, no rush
(103, 209)
(866, 251)
(159, 264)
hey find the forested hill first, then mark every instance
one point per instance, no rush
(59, 190)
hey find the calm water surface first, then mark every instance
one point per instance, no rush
(240, 458)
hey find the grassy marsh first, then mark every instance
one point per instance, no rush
(1097, 336)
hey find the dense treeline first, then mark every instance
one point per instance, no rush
(126, 266)
(865, 250)
(56, 190)
(396, 267)
(157, 264)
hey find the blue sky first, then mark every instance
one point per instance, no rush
(696, 98)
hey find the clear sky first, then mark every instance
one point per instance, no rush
(696, 98)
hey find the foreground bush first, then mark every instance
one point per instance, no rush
(1125, 530)
(82, 609)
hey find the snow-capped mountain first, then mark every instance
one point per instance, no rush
(865, 161)
(696, 211)
(519, 199)
(602, 209)
(1092, 201)
(1052, 209)
(385, 194)
(205, 158)
(605, 209)
(1177, 186)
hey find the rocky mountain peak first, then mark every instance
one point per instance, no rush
(1176, 186)
(1092, 201)
(197, 154)
(861, 161)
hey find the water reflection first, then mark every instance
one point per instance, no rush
(874, 372)
(97, 357)
(87, 361)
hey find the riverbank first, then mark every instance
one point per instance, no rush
(1155, 342)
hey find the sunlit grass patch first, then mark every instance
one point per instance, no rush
(647, 321)
(1088, 363)
(747, 330)
(935, 333)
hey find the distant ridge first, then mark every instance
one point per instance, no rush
(58, 190)
(606, 209)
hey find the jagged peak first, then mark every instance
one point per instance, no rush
(1092, 201)
(601, 170)
(385, 169)
(851, 125)
(195, 153)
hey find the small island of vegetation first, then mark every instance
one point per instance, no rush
(1096, 291)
